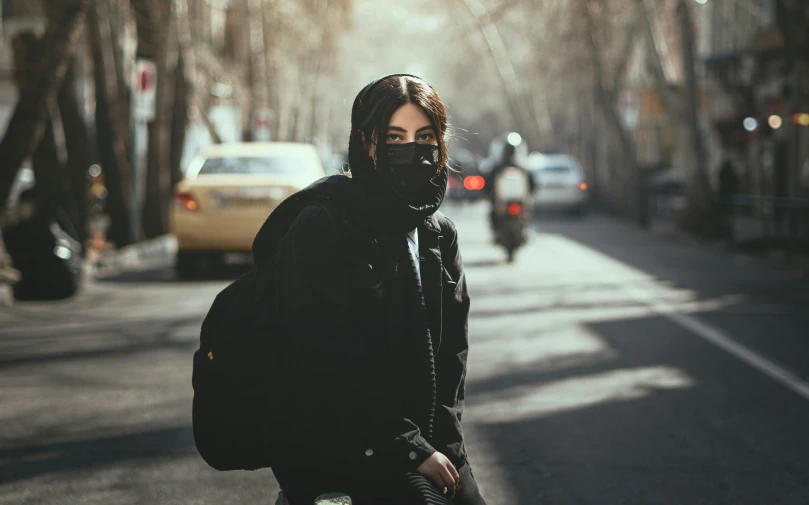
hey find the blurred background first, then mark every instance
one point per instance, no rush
(692, 112)
(143, 142)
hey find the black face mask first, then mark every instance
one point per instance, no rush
(408, 168)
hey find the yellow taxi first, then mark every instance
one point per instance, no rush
(227, 193)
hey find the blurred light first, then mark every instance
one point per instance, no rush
(186, 201)
(750, 124)
(474, 183)
(801, 118)
(62, 252)
(98, 190)
(514, 209)
(583, 186)
(514, 139)
(775, 122)
(95, 171)
(702, 2)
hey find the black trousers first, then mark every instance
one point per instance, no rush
(411, 488)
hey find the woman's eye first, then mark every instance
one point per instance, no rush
(426, 137)
(393, 137)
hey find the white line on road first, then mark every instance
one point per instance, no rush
(720, 339)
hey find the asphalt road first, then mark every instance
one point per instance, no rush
(608, 366)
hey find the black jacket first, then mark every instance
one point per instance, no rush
(341, 301)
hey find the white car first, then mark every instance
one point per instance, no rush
(559, 183)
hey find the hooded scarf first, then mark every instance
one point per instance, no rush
(380, 202)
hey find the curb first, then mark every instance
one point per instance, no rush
(153, 253)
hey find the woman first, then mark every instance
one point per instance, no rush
(373, 296)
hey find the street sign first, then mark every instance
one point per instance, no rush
(262, 124)
(144, 90)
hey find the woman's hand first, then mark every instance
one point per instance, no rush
(439, 469)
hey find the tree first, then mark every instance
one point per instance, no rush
(683, 110)
(29, 119)
(628, 183)
(112, 129)
(793, 20)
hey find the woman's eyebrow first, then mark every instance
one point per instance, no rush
(400, 129)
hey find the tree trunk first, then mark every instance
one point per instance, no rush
(258, 58)
(111, 125)
(48, 171)
(698, 191)
(27, 124)
(179, 121)
(76, 140)
(53, 185)
(793, 21)
(627, 186)
(159, 171)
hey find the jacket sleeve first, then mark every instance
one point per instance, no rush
(452, 356)
(342, 394)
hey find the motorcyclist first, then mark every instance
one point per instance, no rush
(507, 159)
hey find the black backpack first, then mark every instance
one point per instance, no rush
(235, 365)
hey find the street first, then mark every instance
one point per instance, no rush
(607, 366)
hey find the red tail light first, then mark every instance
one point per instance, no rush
(184, 200)
(474, 183)
(514, 209)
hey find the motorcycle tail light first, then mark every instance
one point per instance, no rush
(514, 209)
(184, 200)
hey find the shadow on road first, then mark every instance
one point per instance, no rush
(19, 463)
(774, 316)
(654, 422)
(113, 338)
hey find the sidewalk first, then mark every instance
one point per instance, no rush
(770, 251)
(148, 254)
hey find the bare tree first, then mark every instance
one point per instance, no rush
(683, 110)
(111, 120)
(628, 183)
(28, 121)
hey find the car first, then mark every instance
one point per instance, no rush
(465, 181)
(560, 183)
(227, 193)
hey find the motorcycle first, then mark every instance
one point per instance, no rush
(512, 210)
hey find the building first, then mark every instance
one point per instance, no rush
(757, 95)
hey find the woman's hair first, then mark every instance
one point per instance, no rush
(373, 108)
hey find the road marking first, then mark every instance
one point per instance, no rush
(718, 338)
